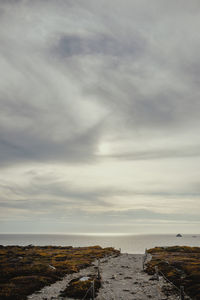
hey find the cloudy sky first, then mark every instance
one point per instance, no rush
(99, 116)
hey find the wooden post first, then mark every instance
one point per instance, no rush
(98, 274)
(98, 270)
(157, 274)
(93, 290)
(143, 263)
(182, 292)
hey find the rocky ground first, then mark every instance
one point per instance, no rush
(122, 278)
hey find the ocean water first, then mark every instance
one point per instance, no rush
(127, 243)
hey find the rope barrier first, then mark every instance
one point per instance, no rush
(158, 272)
(87, 293)
(181, 290)
(161, 273)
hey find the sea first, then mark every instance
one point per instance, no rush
(127, 243)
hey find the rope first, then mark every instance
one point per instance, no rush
(86, 293)
(161, 273)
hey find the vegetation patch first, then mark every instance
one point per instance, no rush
(78, 288)
(180, 264)
(24, 270)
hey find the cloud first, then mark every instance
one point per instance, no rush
(192, 151)
(43, 115)
(30, 148)
(76, 76)
(99, 44)
(46, 194)
(61, 83)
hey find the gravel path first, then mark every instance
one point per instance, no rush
(122, 278)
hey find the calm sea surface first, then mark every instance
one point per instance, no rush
(128, 243)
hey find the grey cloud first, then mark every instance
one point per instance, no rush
(43, 124)
(192, 151)
(75, 74)
(34, 135)
(74, 150)
(72, 45)
(47, 191)
(145, 214)
(30, 204)
(163, 109)
(59, 209)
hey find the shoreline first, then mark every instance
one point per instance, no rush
(132, 244)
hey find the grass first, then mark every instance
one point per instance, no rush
(80, 289)
(24, 270)
(180, 264)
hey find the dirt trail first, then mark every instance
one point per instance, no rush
(122, 279)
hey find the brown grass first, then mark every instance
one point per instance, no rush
(180, 264)
(79, 289)
(24, 270)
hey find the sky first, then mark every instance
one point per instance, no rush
(99, 116)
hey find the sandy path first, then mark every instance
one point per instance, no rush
(122, 278)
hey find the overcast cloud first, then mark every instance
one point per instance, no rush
(99, 116)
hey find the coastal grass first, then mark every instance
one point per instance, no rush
(82, 289)
(180, 264)
(24, 270)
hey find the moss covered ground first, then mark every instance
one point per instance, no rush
(82, 289)
(24, 270)
(180, 264)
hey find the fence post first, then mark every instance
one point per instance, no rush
(98, 274)
(143, 259)
(93, 291)
(157, 275)
(182, 292)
